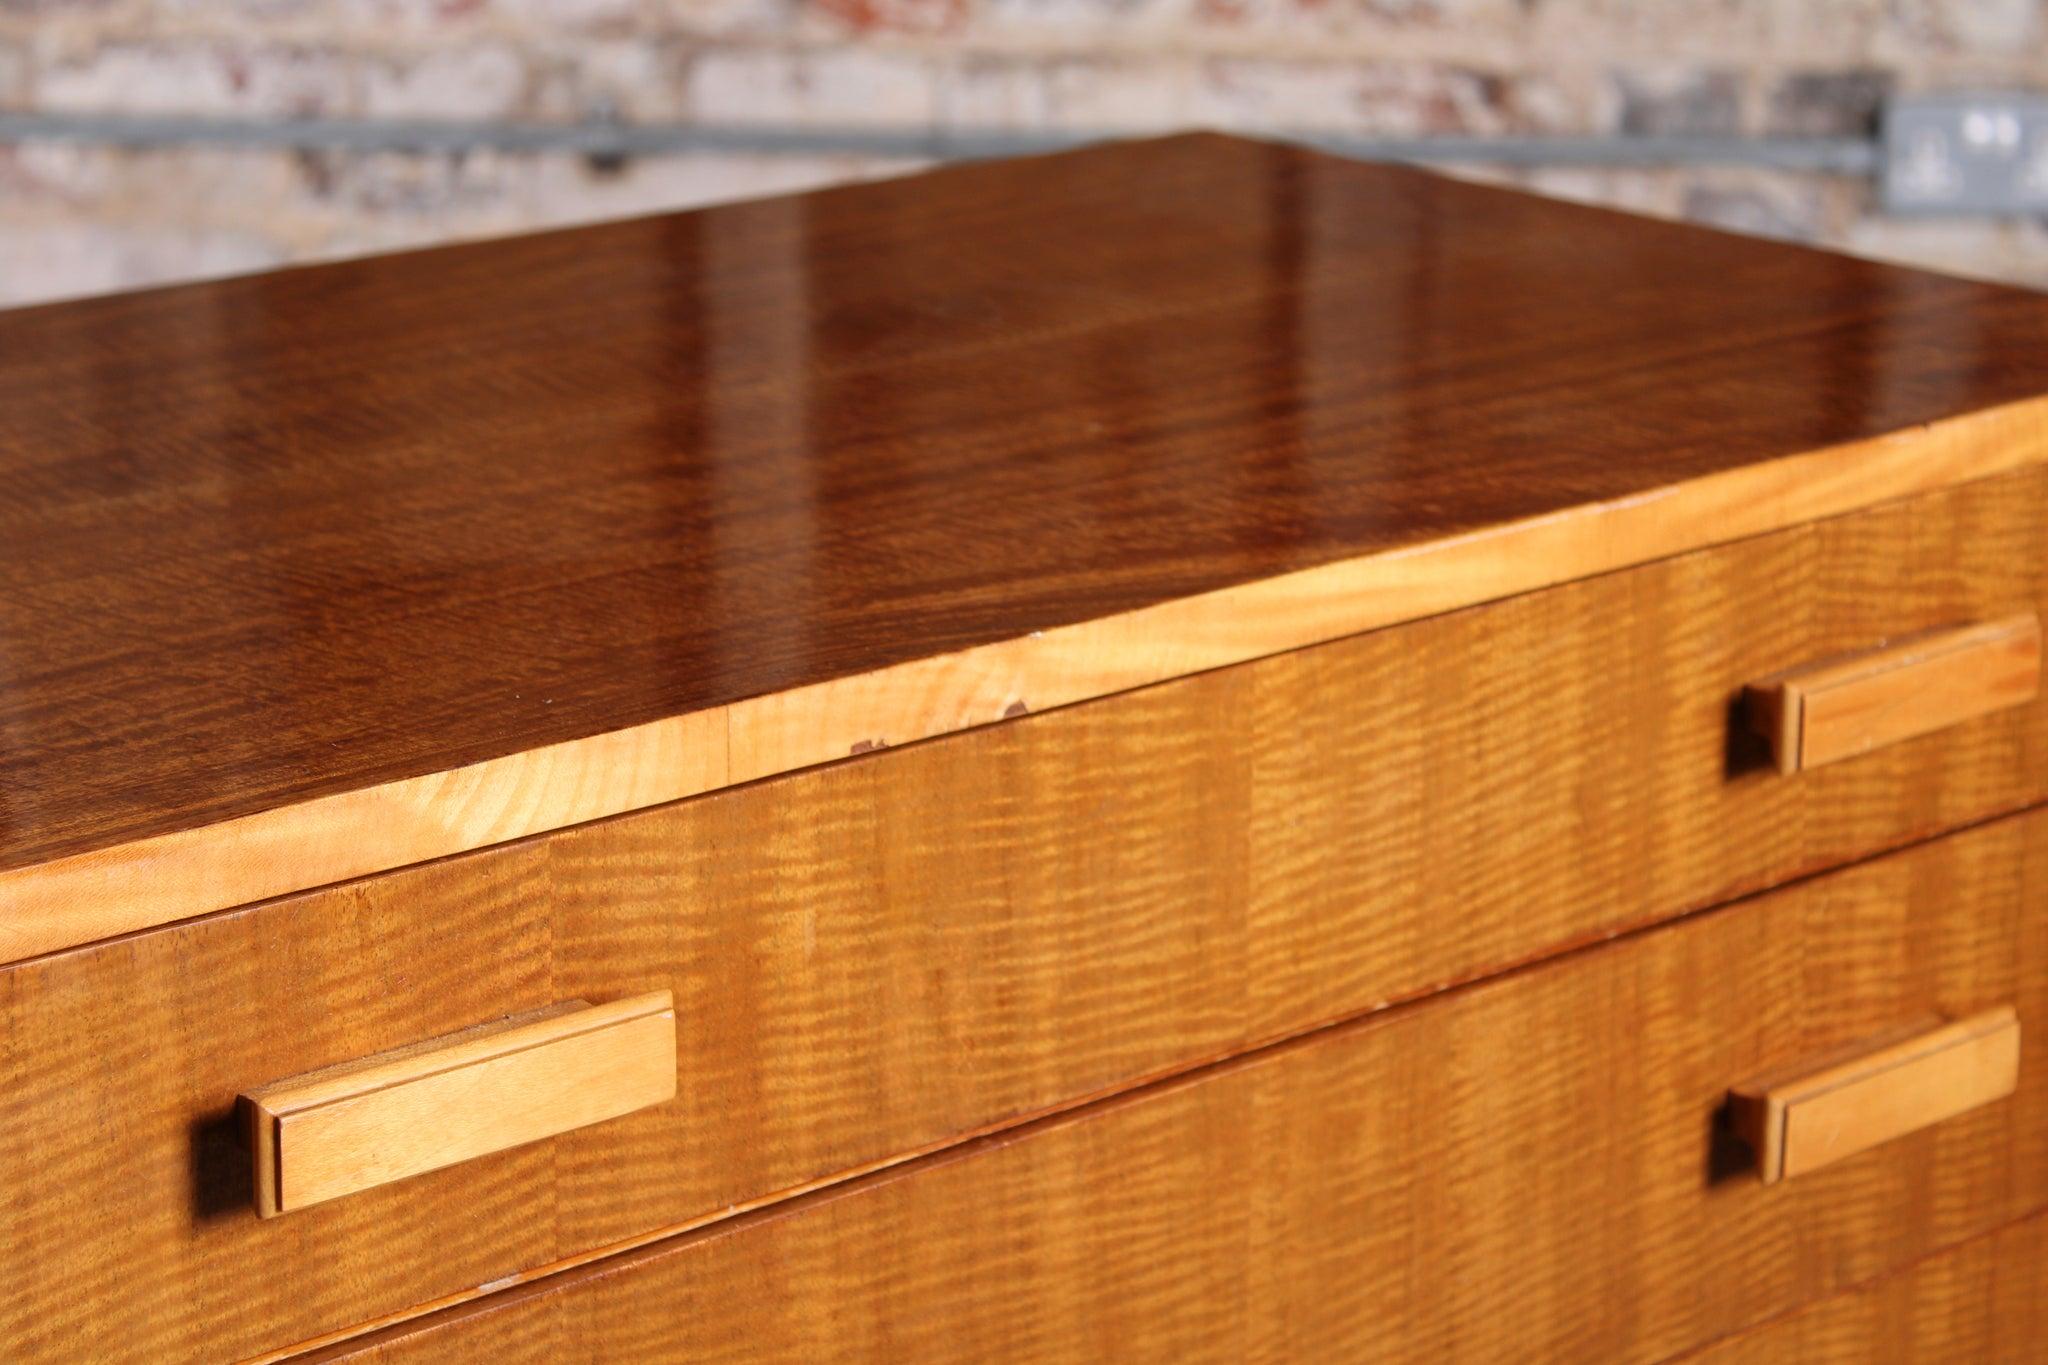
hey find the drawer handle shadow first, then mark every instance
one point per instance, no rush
(366, 1123)
(1841, 707)
(1828, 1108)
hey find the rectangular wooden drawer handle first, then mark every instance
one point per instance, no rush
(367, 1123)
(1839, 708)
(1836, 1106)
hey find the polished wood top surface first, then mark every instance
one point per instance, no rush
(310, 532)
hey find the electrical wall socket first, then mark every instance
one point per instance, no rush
(1968, 155)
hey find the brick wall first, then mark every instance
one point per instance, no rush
(76, 219)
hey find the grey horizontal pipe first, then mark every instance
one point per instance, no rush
(1840, 155)
(624, 140)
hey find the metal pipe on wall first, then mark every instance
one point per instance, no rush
(618, 141)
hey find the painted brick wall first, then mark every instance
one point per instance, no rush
(83, 219)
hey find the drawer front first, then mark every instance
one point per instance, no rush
(1982, 1303)
(886, 955)
(1530, 1168)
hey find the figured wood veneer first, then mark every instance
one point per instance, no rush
(1982, 1303)
(375, 562)
(882, 956)
(353, 1127)
(1531, 1168)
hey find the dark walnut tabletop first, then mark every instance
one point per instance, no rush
(279, 538)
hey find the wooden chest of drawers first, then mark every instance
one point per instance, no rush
(1187, 750)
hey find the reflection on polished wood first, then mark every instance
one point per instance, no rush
(320, 572)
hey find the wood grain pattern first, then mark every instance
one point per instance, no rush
(882, 955)
(1982, 1303)
(370, 1122)
(698, 499)
(1827, 1111)
(1823, 713)
(1527, 1169)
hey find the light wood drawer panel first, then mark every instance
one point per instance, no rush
(884, 955)
(1530, 1168)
